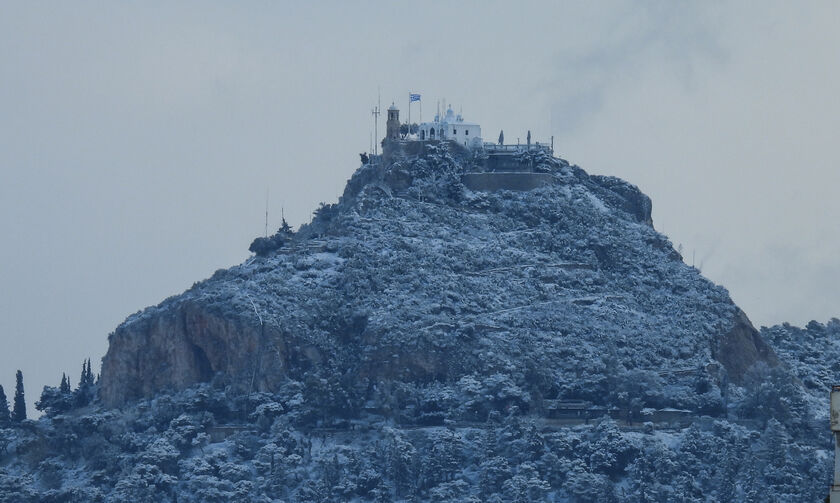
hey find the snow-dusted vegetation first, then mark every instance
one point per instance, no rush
(199, 445)
(813, 355)
(419, 341)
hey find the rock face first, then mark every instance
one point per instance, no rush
(564, 291)
(741, 347)
(176, 348)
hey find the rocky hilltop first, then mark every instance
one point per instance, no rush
(564, 291)
(444, 333)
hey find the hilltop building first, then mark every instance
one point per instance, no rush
(493, 157)
(451, 127)
(392, 125)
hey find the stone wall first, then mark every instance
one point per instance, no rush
(395, 150)
(507, 181)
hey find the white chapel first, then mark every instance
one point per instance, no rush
(451, 127)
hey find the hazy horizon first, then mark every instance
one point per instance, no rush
(139, 140)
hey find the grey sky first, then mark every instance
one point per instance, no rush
(137, 140)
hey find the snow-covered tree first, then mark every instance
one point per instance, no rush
(65, 384)
(19, 410)
(5, 415)
(86, 392)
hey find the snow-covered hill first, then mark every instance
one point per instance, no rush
(414, 280)
(422, 341)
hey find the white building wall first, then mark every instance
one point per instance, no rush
(464, 133)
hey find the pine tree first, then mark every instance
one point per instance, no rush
(83, 377)
(84, 393)
(19, 411)
(285, 228)
(5, 417)
(501, 137)
(56, 400)
(65, 383)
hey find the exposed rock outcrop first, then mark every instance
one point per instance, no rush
(627, 197)
(741, 347)
(179, 346)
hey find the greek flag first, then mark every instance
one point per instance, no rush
(413, 97)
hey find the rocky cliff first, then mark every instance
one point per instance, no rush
(414, 278)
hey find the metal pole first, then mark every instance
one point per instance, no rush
(834, 494)
(378, 108)
(375, 113)
(834, 423)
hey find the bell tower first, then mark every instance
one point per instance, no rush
(392, 125)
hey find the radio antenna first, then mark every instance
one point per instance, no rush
(375, 114)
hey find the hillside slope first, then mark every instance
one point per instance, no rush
(813, 355)
(565, 291)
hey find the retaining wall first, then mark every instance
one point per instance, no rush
(507, 181)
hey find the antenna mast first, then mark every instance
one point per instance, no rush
(266, 212)
(375, 114)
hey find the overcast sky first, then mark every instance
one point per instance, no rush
(138, 139)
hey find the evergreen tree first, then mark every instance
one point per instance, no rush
(84, 393)
(65, 383)
(86, 378)
(501, 137)
(56, 400)
(404, 129)
(401, 465)
(19, 411)
(285, 228)
(5, 417)
(492, 474)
